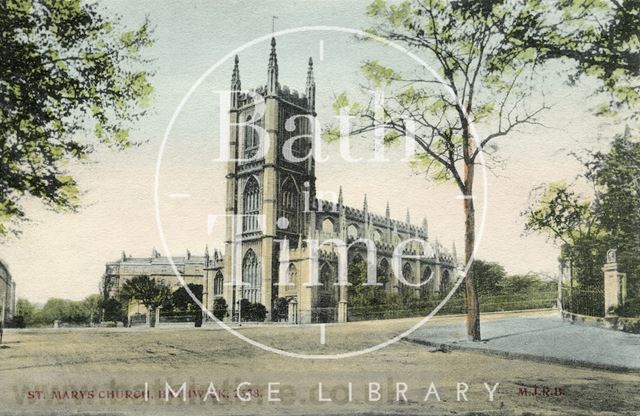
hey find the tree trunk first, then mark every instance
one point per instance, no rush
(473, 306)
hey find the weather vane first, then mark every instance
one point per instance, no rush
(273, 24)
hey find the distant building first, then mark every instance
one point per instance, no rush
(191, 269)
(7, 293)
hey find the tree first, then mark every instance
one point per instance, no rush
(182, 300)
(280, 310)
(93, 306)
(525, 284)
(148, 291)
(489, 276)
(477, 85)
(26, 310)
(54, 310)
(68, 72)
(569, 218)
(252, 311)
(220, 308)
(600, 38)
(114, 310)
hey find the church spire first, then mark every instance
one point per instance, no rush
(408, 221)
(365, 205)
(272, 73)
(311, 87)
(454, 252)
(425, 225)
(340, 201)
(235, 83)
(387, 212)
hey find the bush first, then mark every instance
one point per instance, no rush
(280, 310)
(220, 308)
(631, 308)
(252, 312)
(18, 321)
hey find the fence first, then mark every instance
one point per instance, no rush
(455, 305)
(583, 301)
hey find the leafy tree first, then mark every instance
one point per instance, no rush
(54, 310)
(615, 175)
(280, 310)
(525, 284)
(252, 312)
(93, 307)
(68, 71)
(476, 85)
(600, 38)
(27, 310)
(488, 275)
(588, 226)
(182, 300)
(220, 310)
(571, 219)
(359, 294)
(114, 310)
(148, 291)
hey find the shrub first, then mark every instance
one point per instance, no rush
(220, 308)
(280, 310)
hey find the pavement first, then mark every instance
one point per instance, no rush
(545, 338)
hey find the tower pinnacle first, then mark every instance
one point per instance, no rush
(311, 87)
(388, 211)
(272, 73)
(235, 83)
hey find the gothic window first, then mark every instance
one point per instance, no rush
(251, 279)
(445, 281)
(289, 202)
(377, 236)
(426, 275)
(292, 275)
(325, 277)
(383, 273)
(251, 204)
(218, 283)
(407, 273)
(250, 138)
(327, 226)
(352, 232)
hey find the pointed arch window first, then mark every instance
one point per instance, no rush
(251, 205)
(445, 281)
(427, 274)
(251, 140)
(251, 279)
(325, 277)
(292, 275)
(218, 284)
(289, 203)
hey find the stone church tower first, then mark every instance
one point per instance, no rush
(277, 227)
(266, 190)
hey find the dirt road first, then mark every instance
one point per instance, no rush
(104, 371)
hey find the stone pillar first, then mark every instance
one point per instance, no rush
(293, 311)
(614, 284)
(342, 311)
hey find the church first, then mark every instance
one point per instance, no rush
(280, 218)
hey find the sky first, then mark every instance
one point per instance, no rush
(64, 255)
